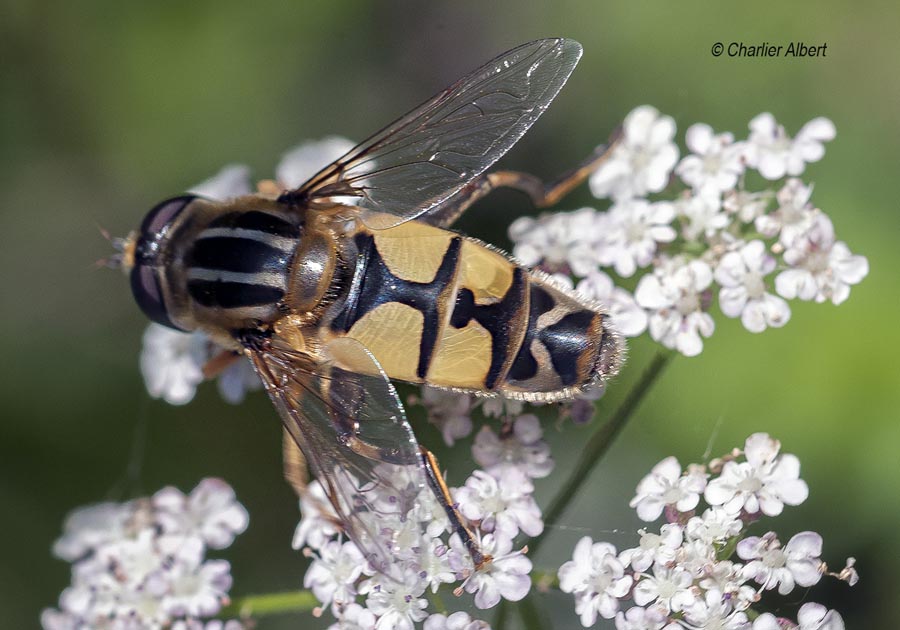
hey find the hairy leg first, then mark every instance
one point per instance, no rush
(543, 195)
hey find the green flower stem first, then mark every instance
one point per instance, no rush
(502, 615)
(304, 601)
(533, 618)
(597, 446)
(437, 602)
(544, 579)
(270, 604)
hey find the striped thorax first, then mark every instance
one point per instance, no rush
(219, 267)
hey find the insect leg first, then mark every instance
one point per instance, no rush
(435, 482)
(295, 471)
(442, 493)
(541, 194)
(217, 364)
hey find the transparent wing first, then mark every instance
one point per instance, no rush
(418, 162)
(351, 427)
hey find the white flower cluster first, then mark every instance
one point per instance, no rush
(496, 502)
(172, 364)
(702, 570)
(707, 234)
(142, 564)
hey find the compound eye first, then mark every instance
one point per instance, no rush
(160, 218)
(148, 294)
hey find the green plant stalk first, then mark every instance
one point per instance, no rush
(501, 617)
(270, 604)
(304, 601)
(597, 446)
(437, 601)
(533, 618)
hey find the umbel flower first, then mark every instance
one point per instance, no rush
(706, 571)
(693, 230)
(142, 564)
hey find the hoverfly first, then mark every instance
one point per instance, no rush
(354, 278)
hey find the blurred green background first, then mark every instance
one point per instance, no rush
(108, 107)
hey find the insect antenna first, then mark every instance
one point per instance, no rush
(123, 258)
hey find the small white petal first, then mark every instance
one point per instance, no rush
(232, 181)
(766, 621)
(699, 137)
(814, 616)
(821, 129)
(303, 161)
(732, 301)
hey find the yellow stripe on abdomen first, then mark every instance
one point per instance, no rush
(485, 326)
(463, 357)
(486, 273)
(392, 332)
(413, 251)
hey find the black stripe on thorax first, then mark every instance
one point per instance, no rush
(497, 319)
(215, 293)
(374, 284)
(258, 221)
(244, 255)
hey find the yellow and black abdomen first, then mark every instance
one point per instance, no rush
(439, 308)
